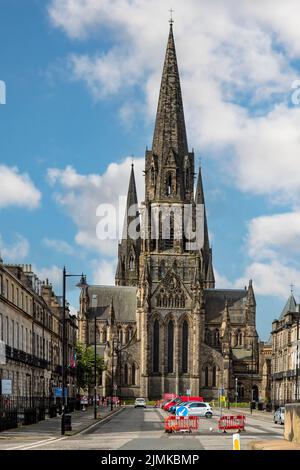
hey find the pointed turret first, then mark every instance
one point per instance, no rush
(199, 199)
(210, 277)
(250, 296)
(129, 248)
(111, 314)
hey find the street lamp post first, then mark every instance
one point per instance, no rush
(297, 362)
(63, 374)
(236, 391)
(112, 374)
(95, 368)
(30, 389)
(252, 356)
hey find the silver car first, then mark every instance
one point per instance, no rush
(279, 415)
(140, 403)
(199, 409)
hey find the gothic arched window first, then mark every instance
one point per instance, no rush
(170, 346)
(206, 376)
(126, 374)
(156, 346)
(169, 184)
(217, 338)
(161, 270)
(207, 336)
(214, 376)
(133, 374)
(185, 346)
(131, 262)
(239, 338)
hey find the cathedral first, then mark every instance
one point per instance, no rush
(164, 327)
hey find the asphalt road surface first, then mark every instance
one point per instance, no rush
(135, 429)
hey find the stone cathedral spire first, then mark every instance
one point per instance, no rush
(129, 247)
(169, 165)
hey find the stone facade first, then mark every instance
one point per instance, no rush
(31, 334)
(285, 354)
(164, 327)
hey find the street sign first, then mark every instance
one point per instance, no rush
(188, 391)
(6, 388)
(223, 398)
(182, 411)
(58, 392)
(2, 353)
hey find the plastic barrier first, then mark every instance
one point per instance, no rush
(181, 424)
(232, 422)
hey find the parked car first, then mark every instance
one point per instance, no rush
(182, 398)
(170, 403)
(140, 403)
(199, 409)
(279, 415)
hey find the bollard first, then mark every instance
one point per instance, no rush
(236, 442)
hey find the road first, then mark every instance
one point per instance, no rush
(135, 429)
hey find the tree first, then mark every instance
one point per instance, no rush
(85, 361)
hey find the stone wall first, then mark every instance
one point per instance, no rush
(292, 422)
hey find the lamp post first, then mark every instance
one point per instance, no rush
(236, 391)
(30, 389)
(81, 284)
(252, 357)
(112, 374)
(95, 369)
(297, 362)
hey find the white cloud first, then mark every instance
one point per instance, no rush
(17, 189)
(53, 273)
(104, 272)
(81, 195)
(59, 245)
(16, 251)
(268, 234)
(270, 278)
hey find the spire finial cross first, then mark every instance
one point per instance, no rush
(132, 160)
(171, 21)
(292, 288)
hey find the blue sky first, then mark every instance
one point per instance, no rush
(82, 87)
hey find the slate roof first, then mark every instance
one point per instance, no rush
(215, 304)
(124, 302)
(290, 306)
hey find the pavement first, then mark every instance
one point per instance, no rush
(143, 429)
(50, 428)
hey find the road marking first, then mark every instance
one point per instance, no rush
(38, 444)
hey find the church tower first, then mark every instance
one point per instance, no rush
(172, 319)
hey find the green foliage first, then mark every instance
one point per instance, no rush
(85, 361)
